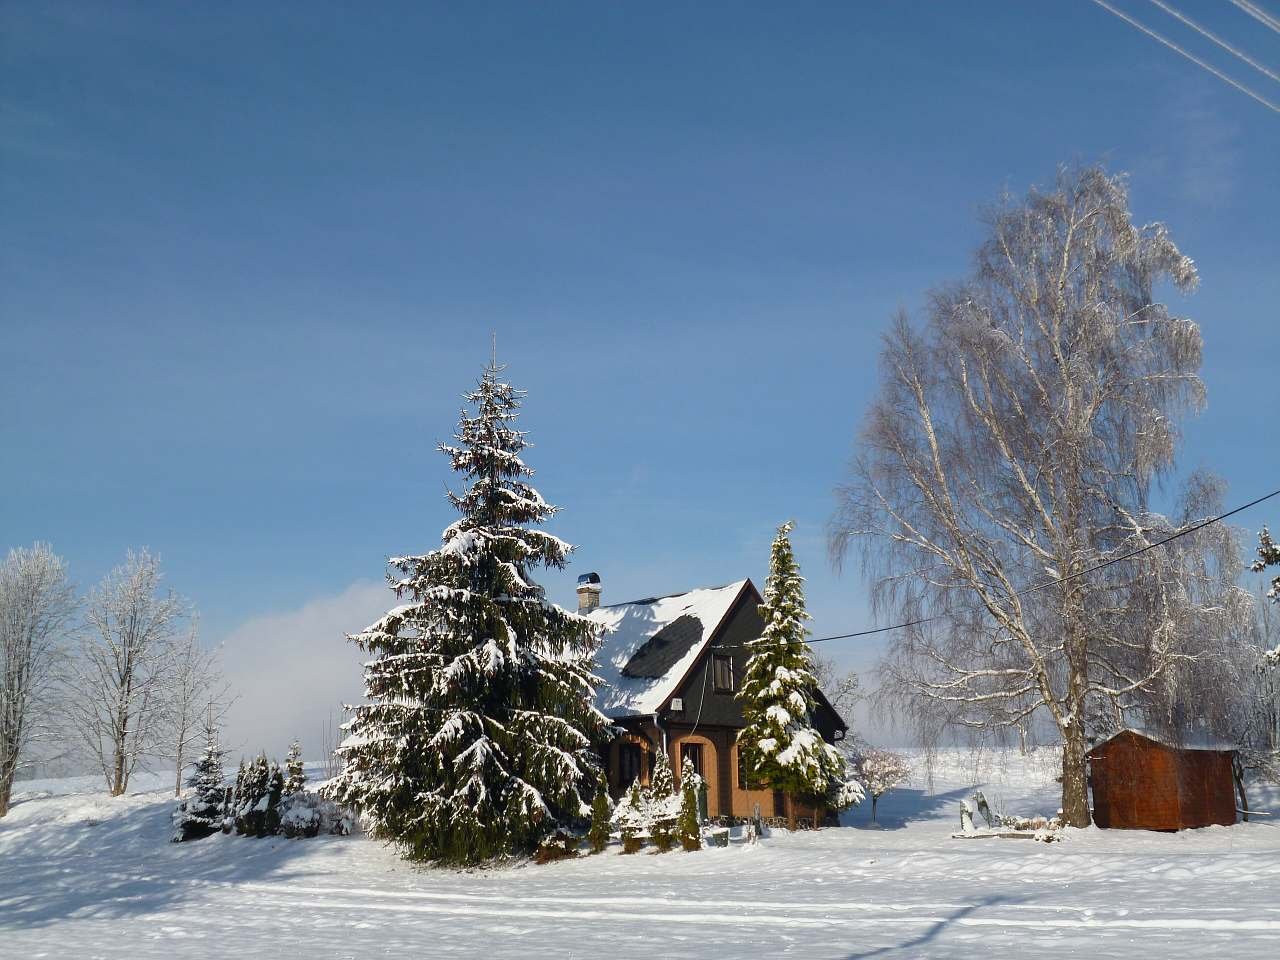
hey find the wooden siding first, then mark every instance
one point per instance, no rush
(1141, 784)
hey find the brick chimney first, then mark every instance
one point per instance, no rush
(588, 592)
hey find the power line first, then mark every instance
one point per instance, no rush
(1255, 11)
(1274, 108)
(1234, 51)
(1074, 576)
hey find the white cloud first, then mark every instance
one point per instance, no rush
(292, 670)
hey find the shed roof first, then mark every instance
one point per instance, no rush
(649, 645)
(1191, 741)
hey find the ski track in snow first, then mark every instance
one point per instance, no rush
(84, 876)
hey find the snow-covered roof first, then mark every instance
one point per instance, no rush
(1190, 741)
(649, 645)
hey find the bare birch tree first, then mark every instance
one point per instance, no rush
(37, 607)
(197, 698)
(121, 682)
(1014, 441)
(842, 688)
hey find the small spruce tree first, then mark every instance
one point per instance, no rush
(601, 811)
(687, 827)
(664, 804)
(631, 819)
(295, 780)
(231, 807)
(200, 814)
(779, 745)
(251, 806)
(270, 824)
(480, 736)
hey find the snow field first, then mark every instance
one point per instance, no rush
(82, 875)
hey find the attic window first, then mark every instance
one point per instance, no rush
(722, 673)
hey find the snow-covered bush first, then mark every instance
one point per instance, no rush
(306, 814)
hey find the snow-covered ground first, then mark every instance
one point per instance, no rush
(84, 876)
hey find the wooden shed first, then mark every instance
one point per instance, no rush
(1142, 783)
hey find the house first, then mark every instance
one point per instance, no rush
(1140, 782)
(672, 666)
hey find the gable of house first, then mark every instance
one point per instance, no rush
(650, 645)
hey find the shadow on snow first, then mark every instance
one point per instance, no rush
(125, 866)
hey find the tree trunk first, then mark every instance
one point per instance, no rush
(6, 788)
(1075, 781)
(874, 798)
(1237, 774)
(177, 785)
(791, 813)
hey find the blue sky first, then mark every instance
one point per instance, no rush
(251, 255)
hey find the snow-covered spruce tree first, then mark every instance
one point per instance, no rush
(295, 780)
(779, 744)
(1268, 556)
(480, 736)
(601, 813)
(201, 813)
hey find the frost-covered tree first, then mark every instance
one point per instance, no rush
(295, 776)
(601, 814)
(37, 606)
(1014, 443)
(881, 771)
(121, 683)
(480, 736)
(201, 813)
(779, 745)
(842, 688)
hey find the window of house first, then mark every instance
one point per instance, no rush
(628, 764)
(691, 753)
(722, 673)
